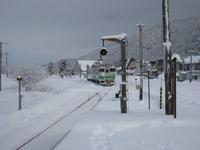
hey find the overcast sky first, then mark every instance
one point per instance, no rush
(39, 31)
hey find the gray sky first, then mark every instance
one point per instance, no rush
(39, 31)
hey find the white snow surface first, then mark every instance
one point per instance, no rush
(104, 128)
(119, 37)
(177, 56)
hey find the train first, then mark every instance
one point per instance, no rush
(102, 74)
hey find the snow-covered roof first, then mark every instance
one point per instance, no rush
(83, 64)
(195, 59)
(177, 56)
(115, 37)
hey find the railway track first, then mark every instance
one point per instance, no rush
(58, 130)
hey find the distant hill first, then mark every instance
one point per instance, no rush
(185, 35)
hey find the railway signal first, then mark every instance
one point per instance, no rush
(103, 51)
(122, 40)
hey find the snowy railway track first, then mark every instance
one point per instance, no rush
(40, 140)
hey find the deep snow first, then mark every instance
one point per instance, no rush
(105, 128)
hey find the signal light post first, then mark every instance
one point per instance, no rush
(122, 40)
(19, 79)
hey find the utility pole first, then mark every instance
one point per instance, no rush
(190, 67)
(1, 46)
(7, 64)
(149, 89)
(149, 71)
(122, 40)
(170, 78)
(166, 39)
(140, 26)
(123, 59)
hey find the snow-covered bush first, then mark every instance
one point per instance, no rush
(30, 74)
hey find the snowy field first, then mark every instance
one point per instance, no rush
(104, 128)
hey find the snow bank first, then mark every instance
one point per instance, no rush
(107, 129)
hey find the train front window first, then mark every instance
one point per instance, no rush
(101, 70)
(112, 70)
(107, 70)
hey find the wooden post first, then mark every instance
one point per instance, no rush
(123, 99)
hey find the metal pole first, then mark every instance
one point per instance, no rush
(140, 26)
(149, 90)
(191, 67)
(123, 100)
(1, 44)
(19, 94)
(7, 64)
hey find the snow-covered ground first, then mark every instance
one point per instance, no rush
(50, 99)
(104, 128)
(140, 129)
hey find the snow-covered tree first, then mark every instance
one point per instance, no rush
(50, 68)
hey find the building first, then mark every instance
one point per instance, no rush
(191, 65)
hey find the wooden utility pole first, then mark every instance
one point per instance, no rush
(1, 45)
(140, 26)
(170, 70)
(166, 36)
(123, 62)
